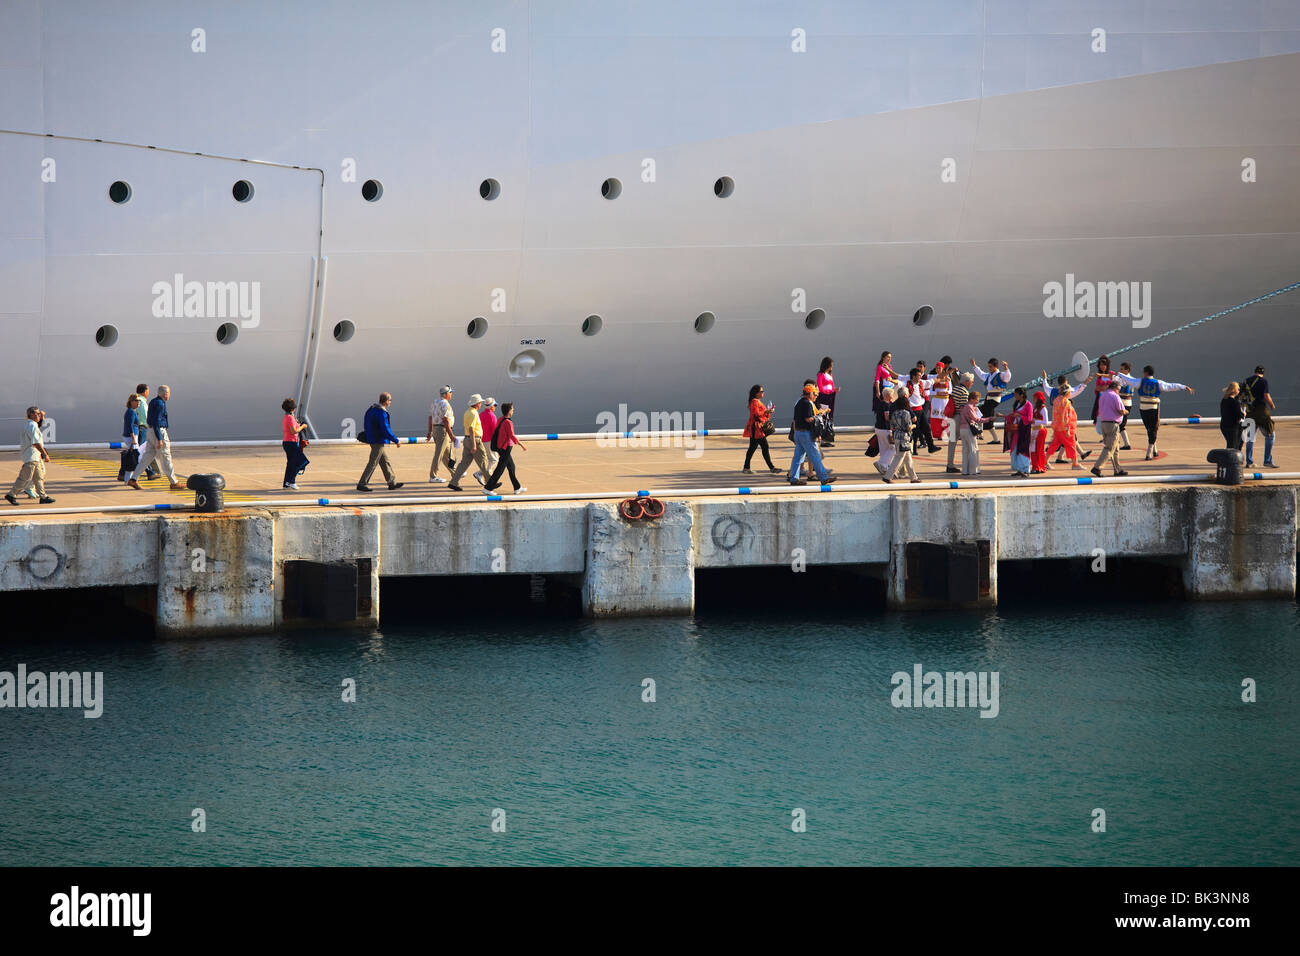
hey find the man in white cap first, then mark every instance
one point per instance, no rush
(475, 451)
(488, 417)
(440, 430)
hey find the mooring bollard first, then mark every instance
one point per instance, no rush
(1229, 466)
(207, 492)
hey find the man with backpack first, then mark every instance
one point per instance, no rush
(1257, 404)
(378, 434)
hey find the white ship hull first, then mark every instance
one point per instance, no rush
(950, 156)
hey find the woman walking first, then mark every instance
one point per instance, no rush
(130, 438)
(826, 387)
(1018, 424)
(757, 428)
(1231, 416)
(885, 378)
(1041, 422)
(970, 426)
(1104, 377)
(503, 442)
(295, 461)
(883, 443)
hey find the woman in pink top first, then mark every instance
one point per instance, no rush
(884, 376)
(826, 387)
(296, 461)
(503, 442)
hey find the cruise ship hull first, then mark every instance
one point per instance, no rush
(1184, 181)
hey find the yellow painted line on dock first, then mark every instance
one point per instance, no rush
(106, 468)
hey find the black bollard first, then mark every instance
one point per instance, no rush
(207, 492)
(1229, 465)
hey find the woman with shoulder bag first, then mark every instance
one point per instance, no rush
(757, 428)
(130, 439)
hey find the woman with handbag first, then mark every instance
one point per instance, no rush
(130, 439)
(757, 428)
(295, 460)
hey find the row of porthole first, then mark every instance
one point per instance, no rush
(106, 335)
(372, 189)
(120, 192)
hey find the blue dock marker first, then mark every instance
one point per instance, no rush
(116, 444)
(1084, 481)
(494, 498)
(553, 436)
(1194, 420)
(322, 501)
(952, 484)
(163, 506)
(743, 491)
(643, 494)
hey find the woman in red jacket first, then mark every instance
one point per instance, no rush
(759, 412)
(504, 439)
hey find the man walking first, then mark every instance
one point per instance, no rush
(994, 381)
(379, 435)
(142, 426)
(1110, 411)
(31, 449)
(804, 446)
(474, 449)
(960, 395)
(442, 434)
(159, 445)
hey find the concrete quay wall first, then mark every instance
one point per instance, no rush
(245, 571)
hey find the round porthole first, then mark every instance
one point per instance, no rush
(344, 330)
(119, 192)
(242, 191)
(592, 324)
(704, 321)
(814, 319)
(922, 315)
(489, 189)
(371, 190)
(477, 328)
(611, 188)
(724, 186)
(227, 332)
(106, 336)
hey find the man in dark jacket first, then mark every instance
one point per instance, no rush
(379, 434)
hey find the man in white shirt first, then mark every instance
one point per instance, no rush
(31, 448)
(442, 431)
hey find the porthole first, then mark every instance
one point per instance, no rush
(477, 328)
(344, 330)
(489, 189)
(227, 333)
(922, 315)
(611, 188)
(106, 336)
(704, 321)
(592, 324)
(371, 190)
(242, 191)
(814, 319)
(724, 186)
(119, 192)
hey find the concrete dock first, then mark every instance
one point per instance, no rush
(262, 564)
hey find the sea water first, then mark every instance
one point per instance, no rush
(1124, 734)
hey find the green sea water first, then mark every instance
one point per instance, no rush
(543, 727)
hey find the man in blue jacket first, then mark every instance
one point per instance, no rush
(379, 434)
(159, 445)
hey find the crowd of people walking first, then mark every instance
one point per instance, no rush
(919, 410)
